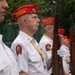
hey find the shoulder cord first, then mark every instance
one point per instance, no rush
(39, 51)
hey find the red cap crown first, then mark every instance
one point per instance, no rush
(47, 21)
(25, 9)
(61, 31)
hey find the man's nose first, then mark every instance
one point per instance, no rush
(5, 5)
(38, 20)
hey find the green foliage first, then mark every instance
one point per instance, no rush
(67, 7)
(45, 8)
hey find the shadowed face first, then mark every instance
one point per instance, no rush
(3, 7)
(32, 22)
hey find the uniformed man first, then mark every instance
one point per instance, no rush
(8, 64)
(28, 55)
(46, 42)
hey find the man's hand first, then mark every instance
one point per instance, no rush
(64, 51)
(23, 73)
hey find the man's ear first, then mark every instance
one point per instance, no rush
(25, 21)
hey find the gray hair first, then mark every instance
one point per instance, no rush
(44, 28)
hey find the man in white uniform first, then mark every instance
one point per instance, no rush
(46, 42)
(28, 55)
(8, 64)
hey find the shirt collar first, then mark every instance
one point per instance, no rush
(25, 36)
(1, 38)
(48, 38)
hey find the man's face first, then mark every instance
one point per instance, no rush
(3, 7)
(50, 29)
(33, 22)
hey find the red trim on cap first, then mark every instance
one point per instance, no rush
(61, 31)
(47, 21)
(25, 9)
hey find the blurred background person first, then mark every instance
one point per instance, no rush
(8, 64)
(46, 43)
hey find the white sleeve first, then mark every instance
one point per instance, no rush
(66, 49)
(22, 59)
